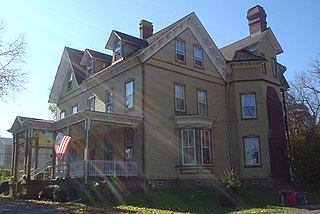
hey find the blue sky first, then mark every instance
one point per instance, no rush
(51, 25)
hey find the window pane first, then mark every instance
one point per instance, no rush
(248, 106)
(129, 95)
(191, 138)
(184, 138)
(129, 88)
(206, 156)
(179, 97)
(252, 151)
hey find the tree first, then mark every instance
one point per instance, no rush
(12, 58)
(305, 91)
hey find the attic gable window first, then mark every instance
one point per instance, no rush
(117, 50)
(180, 51)
(89, 65)
(198, 57)
(91, 104)
(70, 81)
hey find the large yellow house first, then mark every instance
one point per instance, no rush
(168, 109)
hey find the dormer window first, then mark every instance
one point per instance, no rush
(117, 50)
(89, 65)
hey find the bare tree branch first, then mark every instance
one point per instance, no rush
(12, 59)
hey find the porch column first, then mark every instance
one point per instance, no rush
(15, 158)
(25, 164)
(29, 157)
(67, 155)
(86, 151)
(53, 169)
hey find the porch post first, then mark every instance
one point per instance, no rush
(25, 164)
(67, 155)
(15, 158)
(86, 151)
(29, 157)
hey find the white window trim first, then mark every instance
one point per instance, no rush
(73, 107)
(194, 147)
(205, 147)
(129, 95)
(198, 58)
(245, 151)
(205, 103)
(182, 98)
(110, 101)
(242, 106)
(179, 52)
(62, 114)
(93, 103)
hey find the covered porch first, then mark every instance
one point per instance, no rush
(101, 145)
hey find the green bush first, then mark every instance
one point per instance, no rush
(5, 175)
(231, 181)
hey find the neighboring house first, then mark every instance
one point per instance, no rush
(5, 153)
(168, 108)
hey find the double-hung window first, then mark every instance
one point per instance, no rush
(202, 102)
(91, 104)
(180, 51)
(109, 102)
(117, 50)
(180, 98)
(62, 115)
(252, 151)
(188, 147)
(198, 57)
(74, 109)
(205, 147)
(248, 106)
(129, 95)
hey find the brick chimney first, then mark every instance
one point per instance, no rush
(257, 20)
(146, 29)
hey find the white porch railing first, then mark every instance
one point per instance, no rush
(104, 168)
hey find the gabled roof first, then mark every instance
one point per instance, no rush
(70, 59)
(116, 35)
(22, 123)
(6, 141)
(243, 55)
(229, 50)
(99, 55)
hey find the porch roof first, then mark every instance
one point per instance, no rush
(22, 123)
(118, 119)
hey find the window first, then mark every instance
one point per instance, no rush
(248, 106)
(109, 102)
(129, 95)
(128, 142)
(62, 115)
(117, 50)
(205, 147)
(252, 151)
(70, 80)
(274, 67)
(108, 146)
(198, 57)
(263, 64)
(180, 51)
(188, 147)
(91, 104)
(180, 98)
(89, 65)
(202, 102)
(74, 109)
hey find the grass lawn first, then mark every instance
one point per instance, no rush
(179, 201)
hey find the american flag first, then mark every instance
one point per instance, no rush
(62, 142)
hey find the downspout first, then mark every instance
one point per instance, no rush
(143, 165)
(228, 118)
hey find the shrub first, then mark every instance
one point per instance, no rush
(231, 181)
(5, 175)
